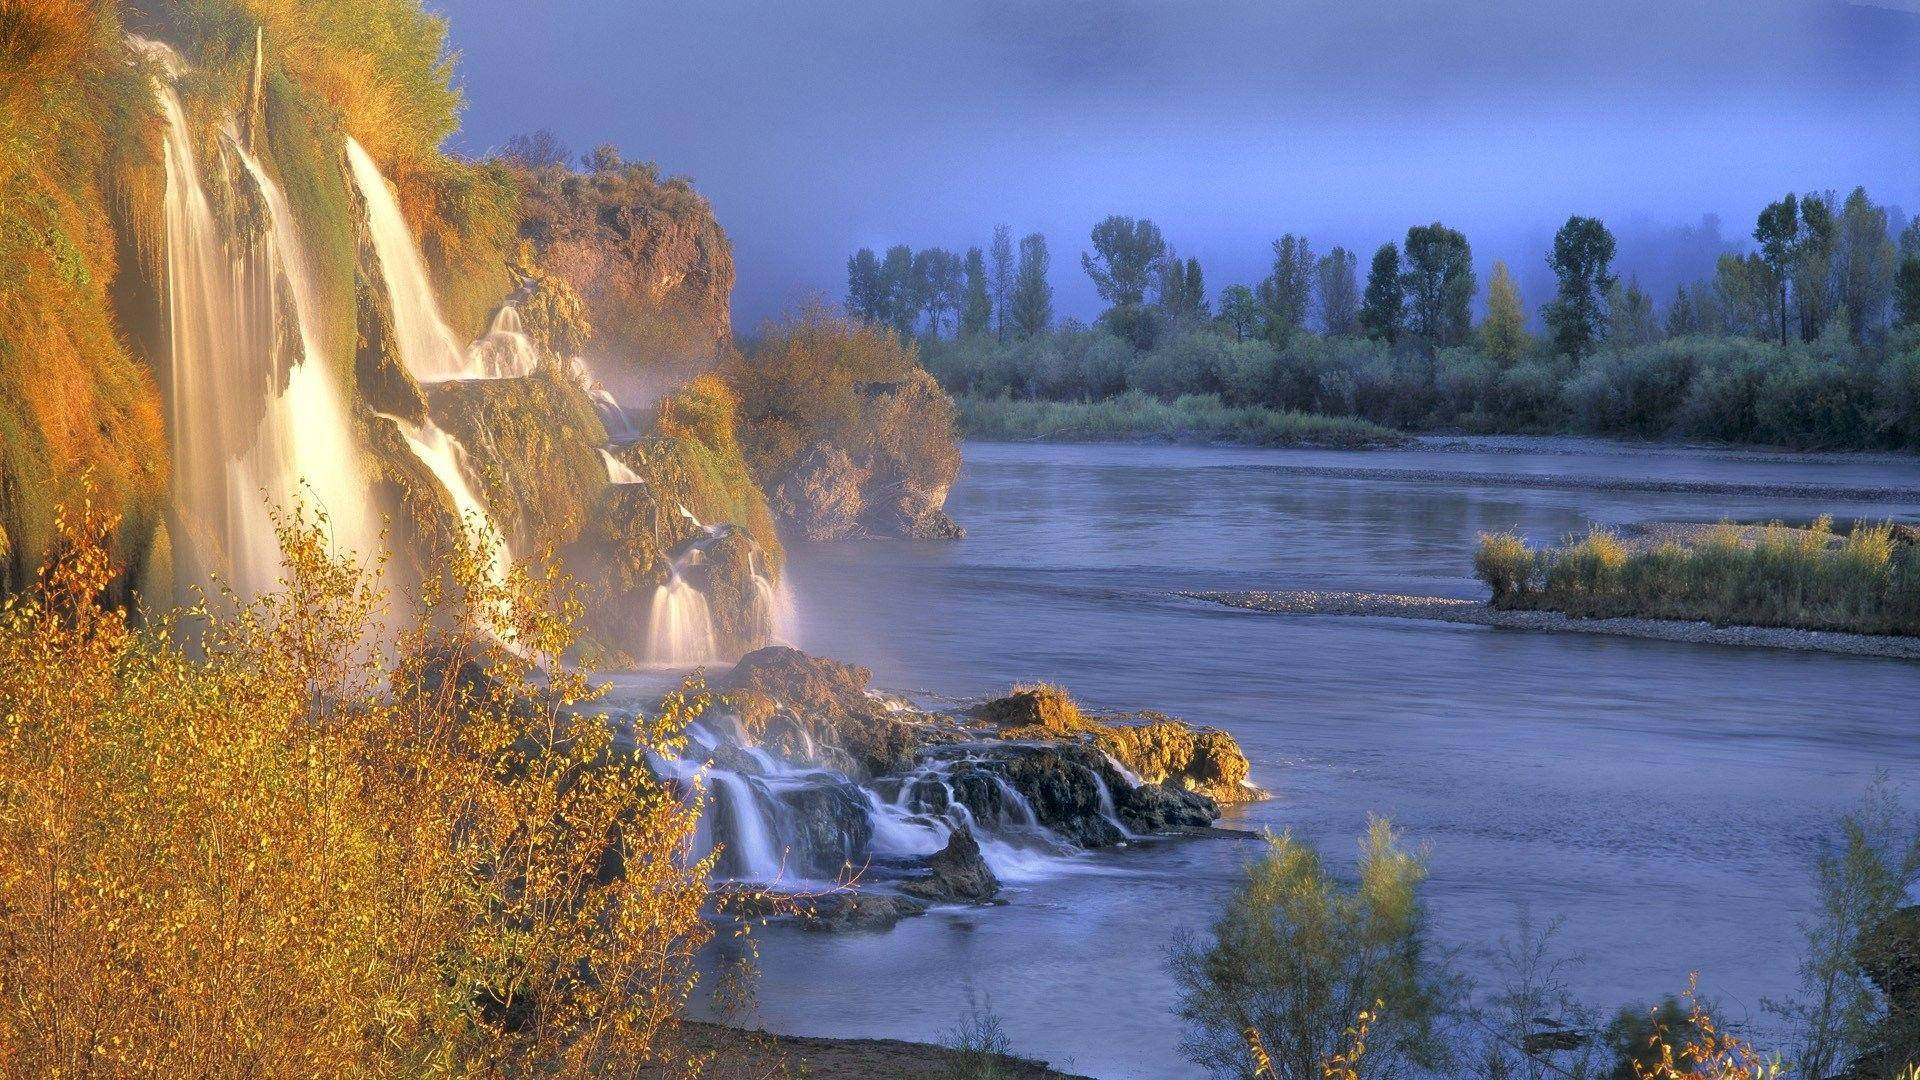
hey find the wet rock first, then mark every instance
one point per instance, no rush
(826, 828)
(839, 913)
(960, 874)
(1062, 784)
(832, 699)
(1153, 807)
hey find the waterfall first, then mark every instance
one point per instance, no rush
(257, 420)
(752, 835)
(427, 346)
(618, 472)
(680, 626)
(442, 454)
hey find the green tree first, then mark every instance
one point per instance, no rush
(1337, 281)
(1630, 318)
(1503, 335)
(899, 289)
(1865, 264)
(1814, 296)
(940, 284)
(1240, 312)
(1032, 295)
(1287, 292)
(1683, 315)
(1439, 283)
(1296, 956)
(1002, 258)
(1126, 254)
(1182, 289)
(865, 297)
(976, 309)
(1582, 261)
(1777, 231)
(1384, 304)
(1906, 293)
(1839, 1015)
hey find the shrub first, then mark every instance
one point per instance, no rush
(1505, 563)
(1192, 418)
(240, 842)
(1295, 957)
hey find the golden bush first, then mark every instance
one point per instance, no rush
(259, 840)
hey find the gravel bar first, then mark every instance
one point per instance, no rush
(1562, 482)
(1474, 612)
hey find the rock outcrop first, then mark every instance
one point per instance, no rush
(830, 700)
(645, 255)
(1156, 748)
(959, 874)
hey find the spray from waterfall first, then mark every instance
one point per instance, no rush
(257, 420)
(443, 455)
(612, 416)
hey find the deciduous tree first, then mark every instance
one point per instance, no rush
(1582, 261)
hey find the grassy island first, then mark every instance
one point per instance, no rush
(1864, 581)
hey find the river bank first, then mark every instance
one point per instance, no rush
(741, 1053)
(1473, 612)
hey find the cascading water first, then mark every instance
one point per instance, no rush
(774, 618)
(257, 420)
(444, 457)
(619, 472)
(428, 350)
(787, 818)
(680, 625)
(427, 345)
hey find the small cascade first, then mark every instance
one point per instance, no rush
(427, 345)
(257, 421)
(612, 416)
(443, 455)
(680, 625)
(773, 616)
(619, 472)
(506, 352)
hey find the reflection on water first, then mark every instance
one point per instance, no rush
(1663, 799)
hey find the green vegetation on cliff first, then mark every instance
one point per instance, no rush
(1866, 582)
(75, 148)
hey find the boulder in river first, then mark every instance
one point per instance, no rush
(960, 874)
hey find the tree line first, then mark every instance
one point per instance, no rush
(1811, 337)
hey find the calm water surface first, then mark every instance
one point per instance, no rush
(1664, 800)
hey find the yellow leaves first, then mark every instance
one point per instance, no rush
(251, 854)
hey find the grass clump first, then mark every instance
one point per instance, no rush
(251, 840)
(1037, 711)
(1863, 582)
(1136, 416)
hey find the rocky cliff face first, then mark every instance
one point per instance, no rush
(646, 256)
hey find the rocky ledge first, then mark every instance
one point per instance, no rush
(805, 756)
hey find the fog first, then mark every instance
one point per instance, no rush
(819, 128)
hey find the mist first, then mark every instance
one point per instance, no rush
(820, 128)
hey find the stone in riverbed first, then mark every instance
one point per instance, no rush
(960, 874)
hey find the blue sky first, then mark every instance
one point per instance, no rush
(818, 128)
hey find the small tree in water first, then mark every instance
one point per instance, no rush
(1297, 956)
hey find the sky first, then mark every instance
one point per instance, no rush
(819, 128)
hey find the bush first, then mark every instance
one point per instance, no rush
(240, 842)
(1505, 563)
(1295, 957)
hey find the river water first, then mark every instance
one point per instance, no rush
(1664, 801)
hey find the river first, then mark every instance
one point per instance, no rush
(1663, 801)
